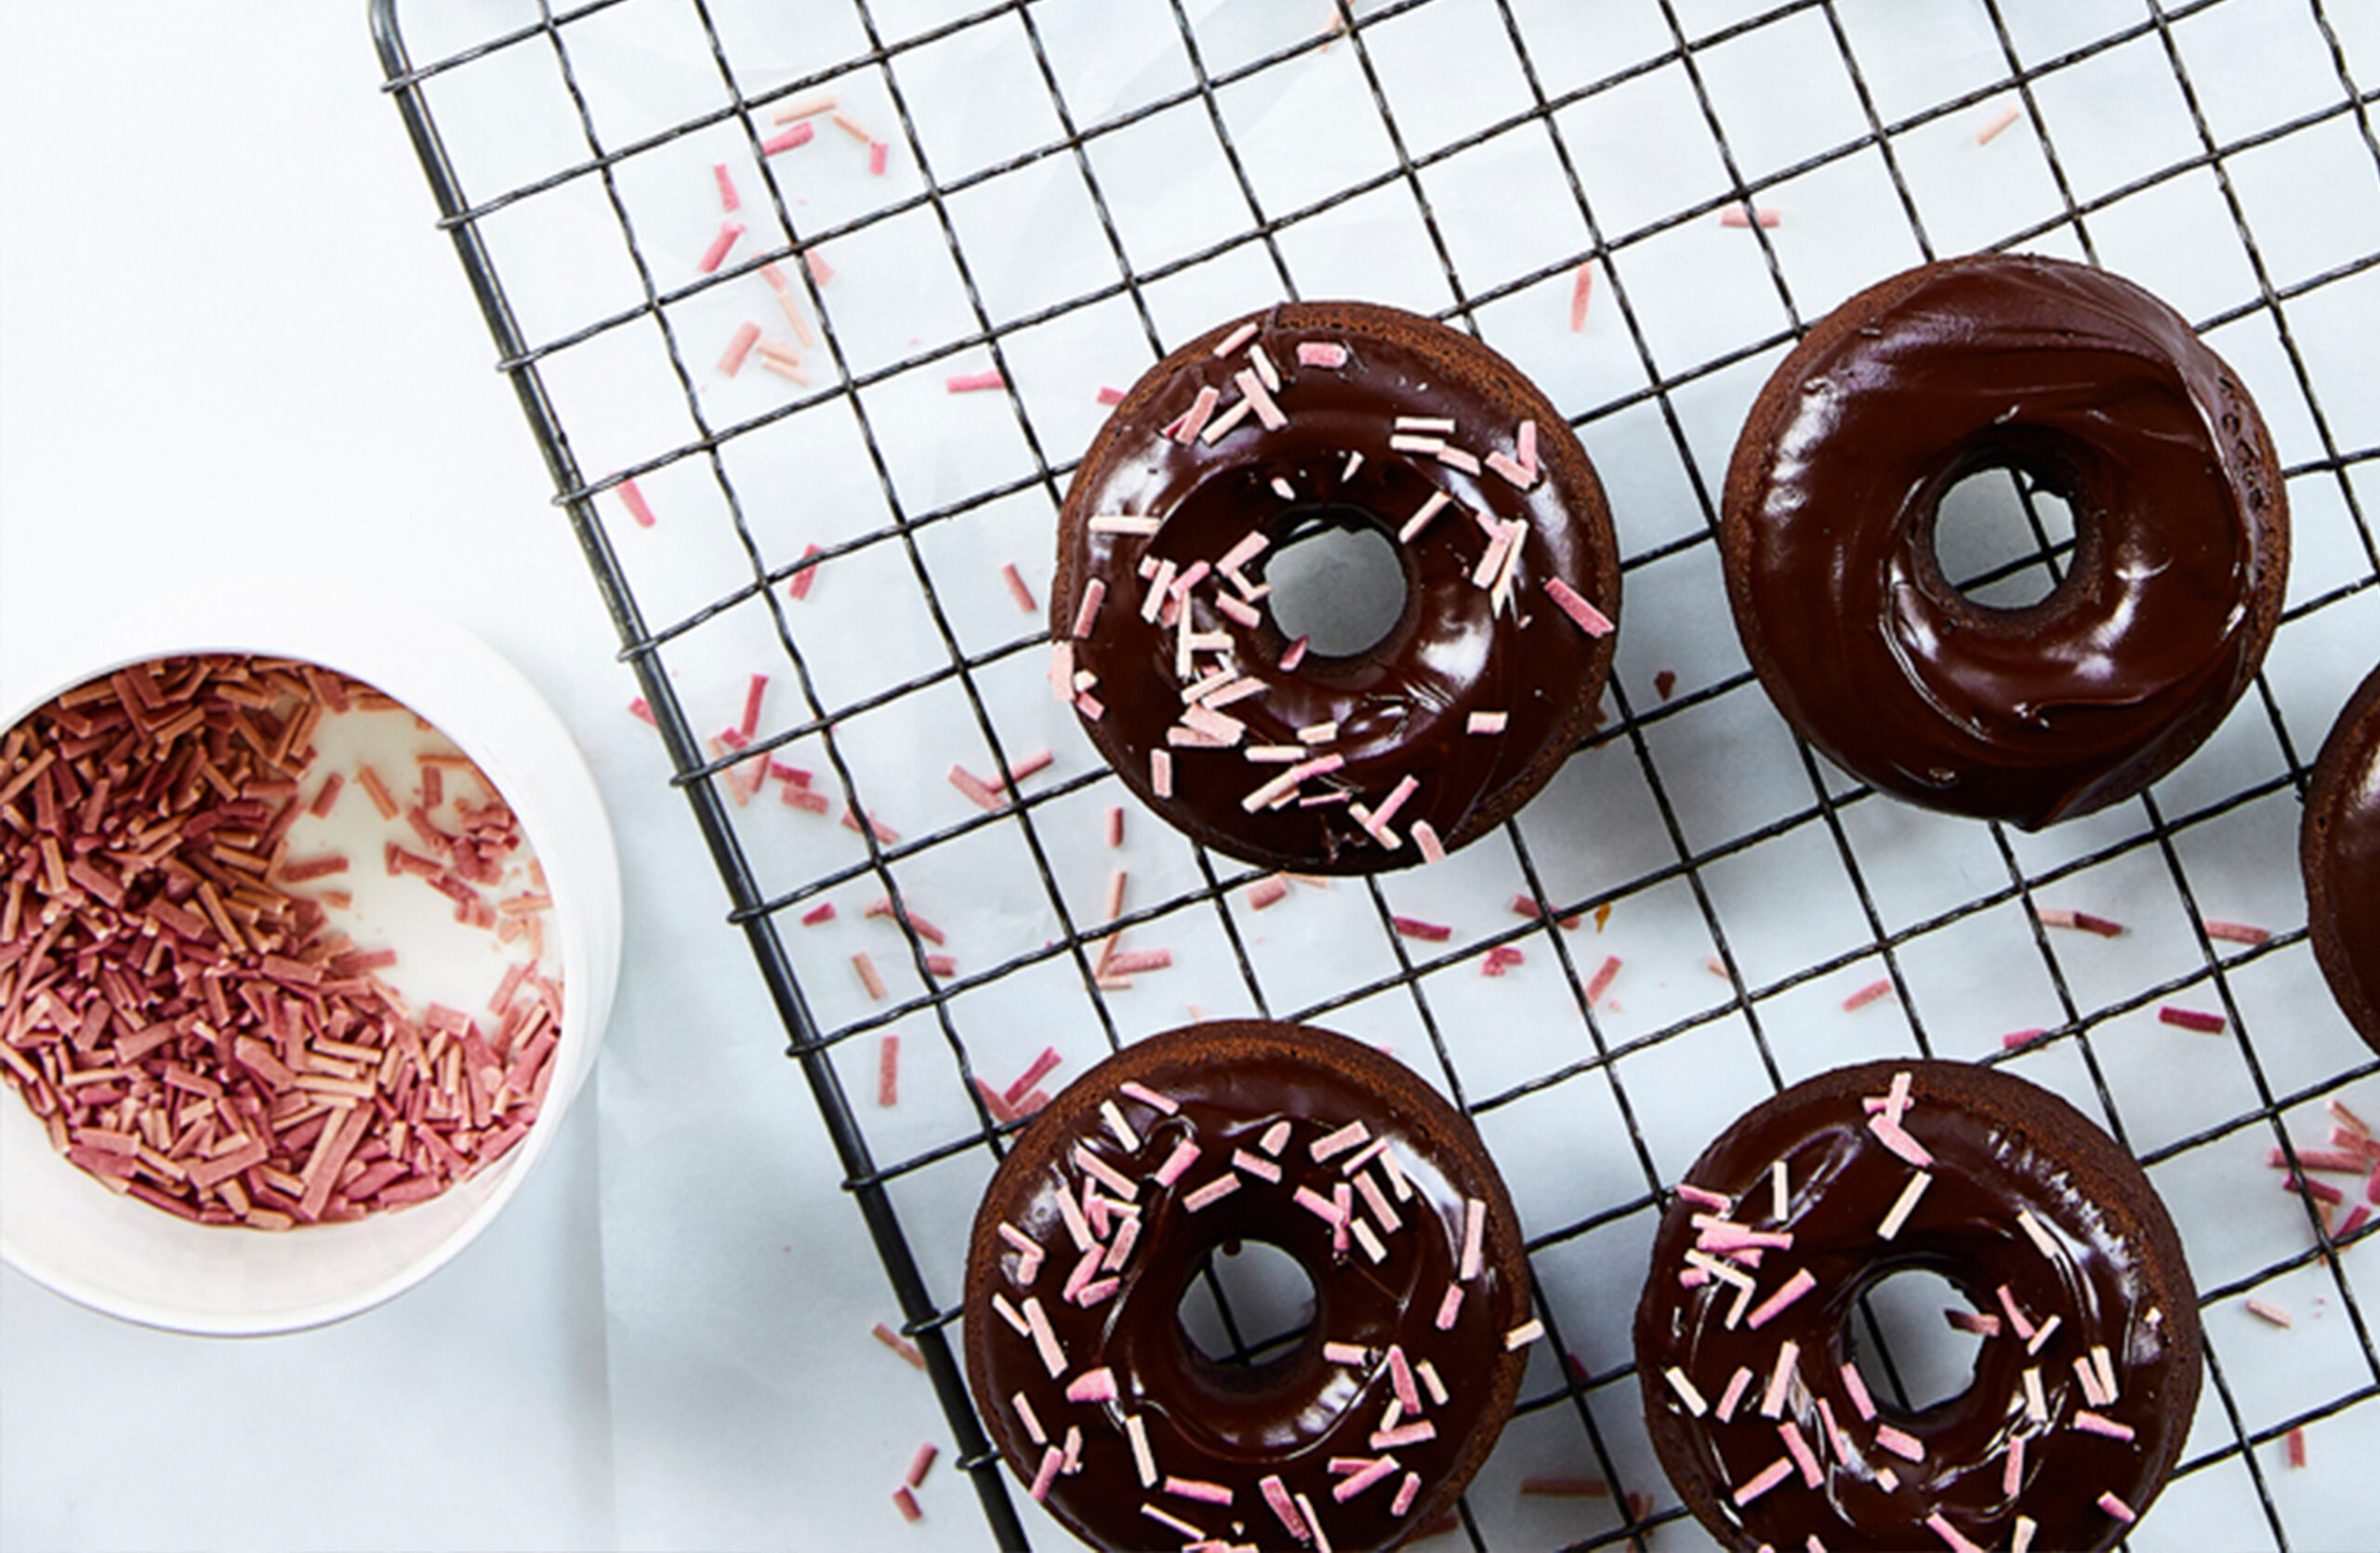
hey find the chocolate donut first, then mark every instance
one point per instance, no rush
(1111, 1202)
(2091, 388)
(1260, 435)
(2339, 849)
(2086, 1378)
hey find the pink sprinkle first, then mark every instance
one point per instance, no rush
(1116, 825)
(1795, 1287)
(1089, 706)
(1867, 995)
(727, 198)
(1413, 927)
(1407, 1493)
(2116, 1508)
(1775, 1473)
(1295, 656)
(753, 692)
(1857, 1386)
(1971, 1322)
(2017, 1321)
(1998, 121)
(1267, 891)
(2192, 1019)
(1397, 1439)
(974, 382)
(1949, 1534)
(1018, 590)
(906, 1503)
(1738, 216)
(2012, 1472)
(717, 253)
(1485, 723)
(1331, 1145)
(2091, 1423)
(730, 361)
(798, 588)
(822, 912)
(1902, 1445)
(1737, 1384)
(1449, 1307)
(1162, 773)
(1133, 962)
(1893, 1137)
(1404, 789)
(815, 262)
(899, 1345)
(1212, 1192)
(1184, 1155)
(1803, 1457)
(1108, 396)
(1246, 615)
(1276, 1494)
(878, 153)
(2018, 1040)
(800, 135)
(2297, 1447)
(1236, 339)
(2082, 922)
(1194, 420)
(2236, 933)
(1425, 836)
(1589, 618)
(1191, 1488)
(1524, 446)
(920, 1462)
(640, 708)
(1322, 353)
(1052, 1457)
(2273, 1313)
(888, 1070)
(1582, 285)
(1605, 973)
(1355, 1483)
(633, 499)
(869, 978)
(1097, 1386)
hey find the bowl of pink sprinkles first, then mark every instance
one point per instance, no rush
(310, 922)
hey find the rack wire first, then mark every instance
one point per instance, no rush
(2304, 316)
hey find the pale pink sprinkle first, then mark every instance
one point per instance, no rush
(974, 382)
(1267, 891)
(2092, 1423)
(2297, 1447)
(1323, 354)
(1525, 446)
(1345, 1353)
(1429, 510)
(800, 135)
(2017, 1321)
(1449, 1307)
(1772, 1399)
(1039, 1068)
(869, 978)
(1407, 1493)
(1491, 561)
(2018, 1039)
(1738, 1383)
(1511, 469)
(1997, 123)
(1097, 1386)
(1052, 1457)
(1973, 1322)
(1904, 1205)
(899, 1345)
(1292, 657)
(2116, 1508)
(1132, 1089)
(1703, 1196)
(2082, 922)
(978, 791)
(1456, 459)
(1259, 398)
(1162, 773)
(1769, 1476)
(1524, 1334)
(1212, 1192)
(1190, 1535)
(1192, 1488)
(852, 128)
(1275, 1139)
(1799, 1449)
(1133, 962)
(1605, 973)
(1425, 836)
(1245, 615)
(1276, 1494)
(1795, 1287)
(1856, 1386)
(1236, 339)
(739, 345)
(1397, 1439)
(1485, 723)
(815, 262)
(2273, 1313)
(1355, 1483)
(1194, 420)
(906, 1503)
(1868, 994)
(1108, 396)
(1905, 1446)
(2036, 1401)
(1338, 1142)
(877, 154)
(1184, 1155)
(1893, 1137)
(2012, 1471)
(1738, 216)
(1590, 619)
(716, 254)
(1320, 1206)
(1089, 706)
(2192, 1019)
(1404, 789)
(1104, 1173)
(1949, 1534)
(1582, 288)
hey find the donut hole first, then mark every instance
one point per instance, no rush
(1898, 1333)
(2004, 533)
(1248, 1306)
(1336, 580)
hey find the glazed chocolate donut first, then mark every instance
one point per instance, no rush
(1261, 434)
(2086, 1378)
(2339, 849)
(1111, 1202)
(2093, 389)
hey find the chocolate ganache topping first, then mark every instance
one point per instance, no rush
(2341, 854)
(2093, 389)
(2086, 1376)
(1240, 445)
(1368, 1424)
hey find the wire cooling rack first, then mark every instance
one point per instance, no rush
(1707, 176)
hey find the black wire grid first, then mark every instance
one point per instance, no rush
(1833, 814)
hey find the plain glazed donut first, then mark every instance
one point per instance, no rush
(2086, 1378)
(1110, 1204)
(2339, 849)
(2092, 388)
(1349, 416)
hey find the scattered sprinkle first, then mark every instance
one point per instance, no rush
(974, 382)
(1880, 987)
(1991, 127)
(1744, 216)
(1582, 285)
(2082, 922)
(2192, 1019)
(2271, 1313)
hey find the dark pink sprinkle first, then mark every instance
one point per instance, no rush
(798, 135)
(798, 588)
(2116, 1508)
(727, 199)
(907, 1505)
(1604, 975)
(633, 499)
(878, 153)
(2236, 933)
(752, 694)
(642, 709)
(717, 253)
(2318, 1190)
(2017, 1040)
(1412, 927)
(941, 965)
(974, 382)
(888, 1070)
(2192, 1019)
(1041, 1069)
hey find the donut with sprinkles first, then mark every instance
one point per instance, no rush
(1211, 695)
(2086, 1368)
(1356, 1431)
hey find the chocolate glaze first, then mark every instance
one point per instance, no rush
(2340, 850)
(1290, 1416)
(2092, 389)
(1402, 707)
(1999, 1145)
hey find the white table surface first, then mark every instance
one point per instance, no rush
(234, 340)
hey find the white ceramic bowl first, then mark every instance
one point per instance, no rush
(120, 1255)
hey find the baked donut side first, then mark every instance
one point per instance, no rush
(1258, 435)
(2086, 1376)
(2339, 853)
(1367, 1426)
(2089, 387)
